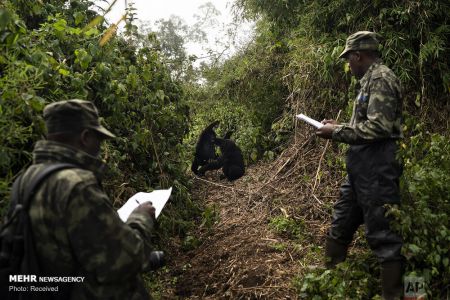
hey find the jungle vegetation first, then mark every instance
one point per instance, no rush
(156, 101)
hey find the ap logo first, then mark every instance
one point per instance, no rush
(414, 288)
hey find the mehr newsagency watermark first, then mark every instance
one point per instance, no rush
(43, 283)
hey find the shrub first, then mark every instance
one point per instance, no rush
(60, 58)
(423, 218)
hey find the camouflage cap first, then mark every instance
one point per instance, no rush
(73, 115)
(361, 40)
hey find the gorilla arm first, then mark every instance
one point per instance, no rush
(212, 165)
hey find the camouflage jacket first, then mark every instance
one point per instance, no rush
(377, 111)
(77, 231)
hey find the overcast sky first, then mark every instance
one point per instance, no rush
(153, 10)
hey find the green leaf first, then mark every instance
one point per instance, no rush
(445, 262)
(75, 31)
(414, 248)
(417, 101)
(37, 103)
(3, 60)
(60, 25)
(91, 31)
(5, 18)
(254, 155)
(64, 72)
(11, 39)
(79, 17)
(160, 94)
(82, 58)
(96, 21)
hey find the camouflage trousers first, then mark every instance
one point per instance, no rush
(372, 181)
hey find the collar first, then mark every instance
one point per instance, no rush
(369, 71)
(49, 151)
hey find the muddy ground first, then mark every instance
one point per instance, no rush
(239, 253)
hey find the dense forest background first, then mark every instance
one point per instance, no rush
(156, 100)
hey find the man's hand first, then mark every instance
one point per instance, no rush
(329, 121)
(145, 209)
(326, 131)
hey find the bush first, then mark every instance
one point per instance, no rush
(353, 279)
(423, 218)
(60, 58)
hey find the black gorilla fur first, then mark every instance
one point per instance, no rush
(205, 151)
(231, 161)
(228, 135)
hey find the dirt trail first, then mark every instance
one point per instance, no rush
(240, 256)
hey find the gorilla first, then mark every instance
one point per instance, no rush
(205, 150)
(231, 160)
(228, 134)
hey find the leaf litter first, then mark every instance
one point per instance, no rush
(240, 256)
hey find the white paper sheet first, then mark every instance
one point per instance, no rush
(308, 120)
(158, 198)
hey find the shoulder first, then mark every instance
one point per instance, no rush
(383, 78)
(57, 190)
(75, 176)
(383, 72)
(65, 181)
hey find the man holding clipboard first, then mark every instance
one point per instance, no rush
(372, 168)
(76, 232)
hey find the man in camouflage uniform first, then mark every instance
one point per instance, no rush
(76, 230)
(372, 169)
